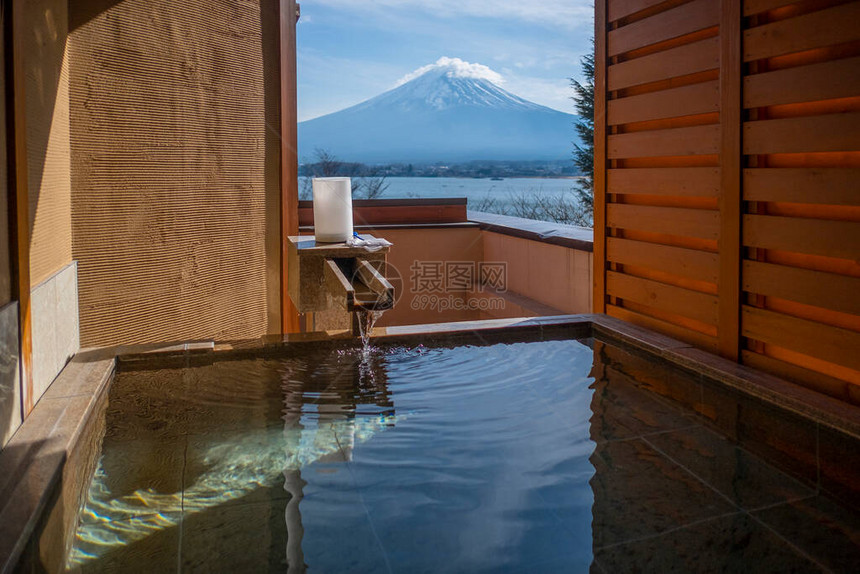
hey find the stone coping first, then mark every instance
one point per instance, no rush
(362, 228)
(32, 462)
(579, 238)
(810, 404)
(572, 237)
(398, 202)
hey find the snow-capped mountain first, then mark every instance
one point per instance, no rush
(450, 111)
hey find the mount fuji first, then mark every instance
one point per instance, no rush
(450, 111)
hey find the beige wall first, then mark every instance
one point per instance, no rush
(55, 328)
(175, 169)
(429, 244)
(556, 276)
(541, 278)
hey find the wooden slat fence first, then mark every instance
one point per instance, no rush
(727, 179)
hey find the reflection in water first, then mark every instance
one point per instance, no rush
(487, 468)
(332, 433)
(319, 424)
(671, 495)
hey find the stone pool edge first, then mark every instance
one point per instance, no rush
(46, 466)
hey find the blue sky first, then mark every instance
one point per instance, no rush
(351, 50)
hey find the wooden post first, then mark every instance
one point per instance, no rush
(18, 189)
(600, 95)
(289, 153)
(729, 284)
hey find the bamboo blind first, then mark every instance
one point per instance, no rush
(175, 169)
(727, 152)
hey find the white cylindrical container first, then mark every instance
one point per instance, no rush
(332, 209)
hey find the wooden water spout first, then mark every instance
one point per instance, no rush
(330, 276)
(358, 285)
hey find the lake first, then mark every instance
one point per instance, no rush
(545, 199)
(474, 190)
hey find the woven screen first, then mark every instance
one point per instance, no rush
(175, 169)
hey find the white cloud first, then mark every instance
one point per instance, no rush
(457, 68)
(553, 93)
(561, 13)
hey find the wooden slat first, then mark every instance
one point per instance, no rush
(684, 19)
(689, 263)
(827, 186)
(680, 181)
(684, 101)
(823, 81)
(676, 331)
(681, 61)
(810, 379)
(819, 29)
(620, 8)
(685, 302)
(697, 140)
(289, 319)
(758, 6)
(600, 163)
(831, 132)
(701, 223)
(812, 236)
(802, 336)
(730, 161)
(827, 290)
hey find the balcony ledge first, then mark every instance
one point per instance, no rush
(579, 238)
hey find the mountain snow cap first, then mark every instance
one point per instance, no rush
(455, 68)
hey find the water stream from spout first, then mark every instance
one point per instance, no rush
(366, 320)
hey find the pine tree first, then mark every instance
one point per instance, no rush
(583, 152)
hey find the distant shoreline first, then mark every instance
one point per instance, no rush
(478, 191)
(466, 177)
(470, 177)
